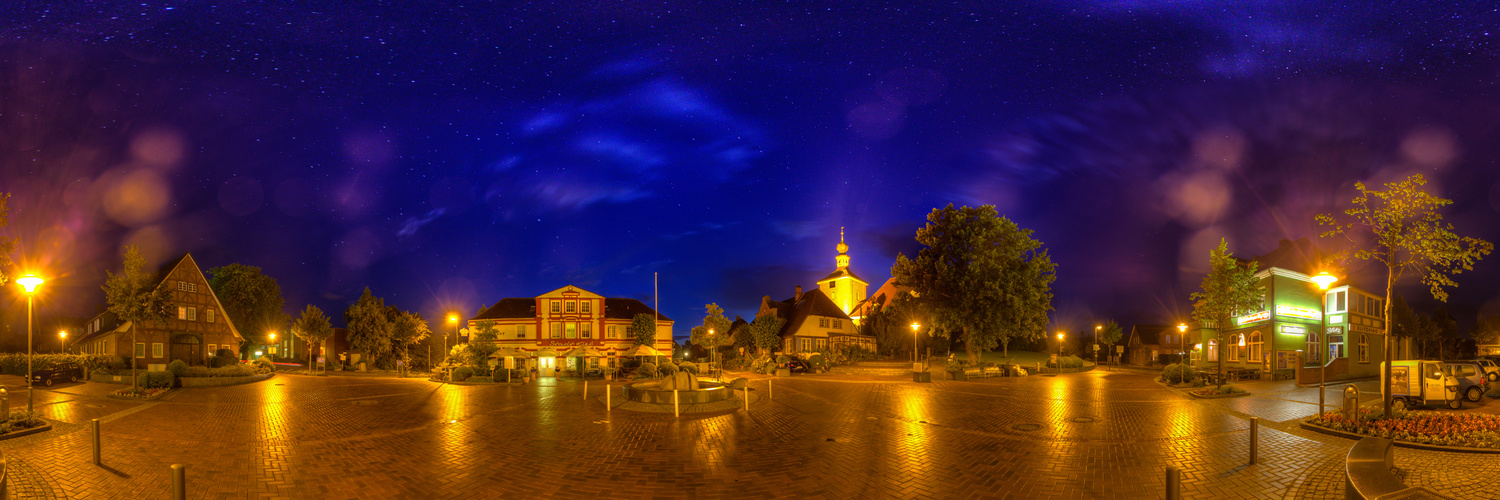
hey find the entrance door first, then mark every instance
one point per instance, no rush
(187, 348)
(547, 366)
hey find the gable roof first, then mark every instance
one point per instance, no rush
(109, 322)
(794, 313)
(627, 309)
(882, 297)
(1145, 334)
(842, 272)
(525, 308)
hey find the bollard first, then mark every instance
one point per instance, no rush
(1254, 439)
(585, 389)
(1174, 483)
(676, 410)
(4, 402)
(747, 397)
(179, 482)
(607, 396)
(770, 389)
(95, 424)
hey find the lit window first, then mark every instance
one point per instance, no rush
(181, 312)
(192, 314)
(1213, 349)
(572, 330)
(1255, 347)
(212, 348)
(210, 315)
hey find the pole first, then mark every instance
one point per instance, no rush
(608, 396)
(676, 410)
(1254, 439)
(29, 383)
(1323, 364)
(586, 389)
(179, 482)
(1174, 483)
(747, 397)
(95, 425)
(770, 389)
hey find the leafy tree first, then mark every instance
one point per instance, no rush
(252, 299)
(1487, 330)
(135, 296)
(1444, 330)
(742, 337)
(890, 324)
(1402, 229)
(643, 329)
(980, 275)
(713, 321)
(1407, 324)
(1228, 290)
(766, 329)
(407, 329)
(370, 331)
(312, 327)
(7, 243)
(483, 345)
(1108, 336)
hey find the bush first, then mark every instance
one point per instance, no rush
(818, 363)
(15, 363)
(782, 359)
(762, 365)
(1177, 374)
(263, 365)
(177, 367)
(156, 379)
(462, 373)
(666, 369)
(223, 371)
(955, 364)
(689, 367)
(846, 353)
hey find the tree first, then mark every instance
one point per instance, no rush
(1228, 290)
(742, 337)
(714, 321)
(407, 329)
(980, 275)
(1406, 324)
(643, 329)
(251, 299)
(135, 296)
(7, 243)
(1108, 336)
(370, 331)
(1487, 330)
(313, 328)
(1402, 229)
(1444, 330)
(483, 345)
(766, 329)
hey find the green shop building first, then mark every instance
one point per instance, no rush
(1300, 330)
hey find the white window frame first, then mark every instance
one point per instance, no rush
(156, 349)
(1364, 348)
(210, 314)
(1234, 352)
(1257, 341)
(822, 322)
(1213, 350)
(192, 314)
(556, 329)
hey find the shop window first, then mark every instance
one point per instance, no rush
(1255, 347)
(1213, 349)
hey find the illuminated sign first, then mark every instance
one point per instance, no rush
(1337, 318)
(1293, 329)
(1251, 318)
(1298, 312)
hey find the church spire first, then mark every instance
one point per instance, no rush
(843, 257)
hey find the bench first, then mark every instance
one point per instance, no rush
(1367, 473)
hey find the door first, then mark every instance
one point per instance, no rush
(547, 366)
(1432, 384)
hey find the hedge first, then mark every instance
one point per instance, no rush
(15, 363)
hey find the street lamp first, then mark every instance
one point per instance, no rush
(713, 355)
(1181, 342)
(1324, 280)
(452, 320)
(62, 336)
(914, 328)
(29, 282)
(1059, 353)
(1097, 329)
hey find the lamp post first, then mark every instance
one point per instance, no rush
(1181, 342)
(62, 336)
(1324, 280)
(1097, 330)
(713, 355)
(914, 328)
(1059, 354)
(29, 282)
(270, 349)
(452, 320)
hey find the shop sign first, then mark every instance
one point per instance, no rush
(1294, 329)
(1337, 318)
(566, 343)
(1365, 329)
(1255, 317)
(1298, 312)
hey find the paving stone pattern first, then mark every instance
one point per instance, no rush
(1086, 435)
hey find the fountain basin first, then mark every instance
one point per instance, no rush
(651, 392)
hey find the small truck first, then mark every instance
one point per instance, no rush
(1421, 383)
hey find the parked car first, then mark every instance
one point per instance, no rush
(1421, 383)
(795, 365)
(70, 372)
(1491, 368)
(1473, 382)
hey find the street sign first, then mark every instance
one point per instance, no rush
(320, 360)
(1119, 349)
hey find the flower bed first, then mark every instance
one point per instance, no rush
(1471, 430)
(19, 422)
(1223, 391)
(140, 394)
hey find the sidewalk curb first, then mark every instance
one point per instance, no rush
(1404, 444)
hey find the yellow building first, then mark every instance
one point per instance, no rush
(843, 287)
(542, 330)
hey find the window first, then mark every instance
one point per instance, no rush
(181, 312)
(1338, 305)
(833, 285)
(212, 348)
(156, 350)
(822, 322)
(210, 313)
(184, 286)
(192, 314)
(584, 307)
(1314, 348)
(572, 330)
(556, 306)
(521, 332)
(1234, 349)
(140, 349)
(586, 330)
(1255, 347)
(572, 307)
(1213, 349)
(96, 324)
(609, 332)
(838, 324)
(1364, 349)
(557, 330)
(821, 344)
(804, 344)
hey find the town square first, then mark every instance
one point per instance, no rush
(1019, 250)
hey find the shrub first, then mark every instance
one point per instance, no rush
(263, 365)
(15, 363)
(177, 367)
(647, 370)
(955, 364)
(762, 365)
(1177, 374)
(462, 373)
(156, 379)
(781, 359)
(666, 369)
(689, 367)
(502, 374)
(846, 353)
(818, 363)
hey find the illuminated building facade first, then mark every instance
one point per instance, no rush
(542, 329)
(196, 329)
(842, 286)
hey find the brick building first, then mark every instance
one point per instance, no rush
(197, 329)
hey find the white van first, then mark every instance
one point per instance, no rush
(1421, 383)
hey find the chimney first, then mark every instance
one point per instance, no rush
(798, 296)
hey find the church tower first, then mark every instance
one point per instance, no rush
(846, 289)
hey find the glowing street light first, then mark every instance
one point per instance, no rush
(1323, 279)
(1059, 352)
(62, 336)
(914, 328)
(29, 282)
(452, 320)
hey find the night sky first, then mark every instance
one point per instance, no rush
(448, 155)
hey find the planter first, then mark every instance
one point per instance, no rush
(1404, 444)
(957, 375)
(220, 381)
(153, 397)
(783, 372)
(109, 379)
(46, 426)
(921, 376)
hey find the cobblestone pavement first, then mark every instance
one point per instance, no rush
(1085, 435)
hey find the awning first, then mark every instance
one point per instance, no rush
(546, 353)
(642, 350)
(509, 352)
(583, 352)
